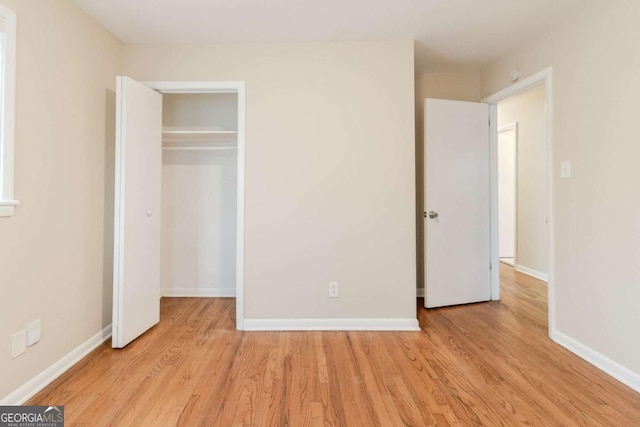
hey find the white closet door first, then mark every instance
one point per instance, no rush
(136, 281)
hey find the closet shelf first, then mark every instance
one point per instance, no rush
(175, 139)
(198, 147)
(196, 132)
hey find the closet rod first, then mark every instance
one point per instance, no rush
(195, 148)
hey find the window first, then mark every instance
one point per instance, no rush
(7, 108)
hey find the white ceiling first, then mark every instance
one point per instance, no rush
(450, 34)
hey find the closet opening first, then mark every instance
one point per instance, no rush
(199, 193)
(202, 217)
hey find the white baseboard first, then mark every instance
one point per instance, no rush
(600, 361)
(200, 292)
(420, 293)
(531, 272)
(507, 261)
(46, 377)
(331, 325)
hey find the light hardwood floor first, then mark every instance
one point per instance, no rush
(482, 364)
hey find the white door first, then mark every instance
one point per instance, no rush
(136, 279)
(507, 165)
(457, 203)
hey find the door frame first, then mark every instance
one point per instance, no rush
(511, 127)
(542, 77)
(238, 87)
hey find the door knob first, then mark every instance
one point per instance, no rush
(432, 214)
(148, 213)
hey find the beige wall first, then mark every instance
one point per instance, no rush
(329, 171)
(594, 54)
(55, 252)
(455, 86)
(527, 110)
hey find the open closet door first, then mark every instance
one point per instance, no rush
(136, 278)
(457, 203)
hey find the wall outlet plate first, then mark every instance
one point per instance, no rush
(18, 343)
(565, 169)
(334, 290)
(34, 332)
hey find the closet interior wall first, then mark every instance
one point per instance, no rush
(199, 188)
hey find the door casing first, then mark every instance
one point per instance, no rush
(221, 87)
(544, 77)
(513, 128)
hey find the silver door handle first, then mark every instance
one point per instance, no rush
(148, 213)
(432, 214)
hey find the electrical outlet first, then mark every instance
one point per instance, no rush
(334, 290)
(34, 332)
(18, 343)
(565, 169)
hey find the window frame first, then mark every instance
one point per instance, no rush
(7, 112)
